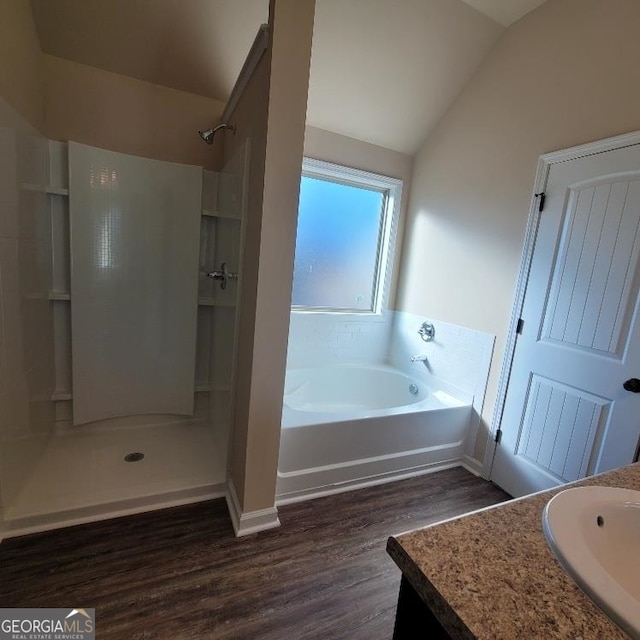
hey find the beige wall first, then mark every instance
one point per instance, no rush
(21, 76)
(123, 114)
(250, 118)
(369, 54)
(565, 74)
(269, 249)
(69, 101)
(333, 147)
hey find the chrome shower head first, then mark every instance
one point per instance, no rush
(207, 135)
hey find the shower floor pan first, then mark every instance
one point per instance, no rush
(82, 477)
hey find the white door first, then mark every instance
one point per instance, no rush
(566, 413)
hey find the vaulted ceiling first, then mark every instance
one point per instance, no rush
(383, 71)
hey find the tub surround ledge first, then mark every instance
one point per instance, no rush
(491, 575)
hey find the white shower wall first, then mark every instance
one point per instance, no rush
(317, 339)
(216, 309)
(26, 351)
(458, 362)
(135, 223)
(56, 474)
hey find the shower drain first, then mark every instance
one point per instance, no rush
(134, 457)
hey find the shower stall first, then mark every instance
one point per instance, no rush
(139, 263)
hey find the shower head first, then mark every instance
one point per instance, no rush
(207, 135)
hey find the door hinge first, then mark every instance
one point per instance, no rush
(541, 198)
(498, 436)
(520, 326)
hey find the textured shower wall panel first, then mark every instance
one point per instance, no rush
(26, 342)
(318, 339)
(134, 283)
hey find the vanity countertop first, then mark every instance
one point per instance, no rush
(491, 575)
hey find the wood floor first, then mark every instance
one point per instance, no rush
(180, 573)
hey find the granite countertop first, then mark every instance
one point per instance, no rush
(491, 575)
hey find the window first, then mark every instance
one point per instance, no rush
(344, 245)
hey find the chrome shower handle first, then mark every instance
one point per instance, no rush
(223, 275)
(427, 331)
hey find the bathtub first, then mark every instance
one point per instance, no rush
(351, 425)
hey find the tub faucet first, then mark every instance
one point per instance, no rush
(418, 358)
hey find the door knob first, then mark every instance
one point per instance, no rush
(633, 385)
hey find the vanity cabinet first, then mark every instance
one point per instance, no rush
(490, 575)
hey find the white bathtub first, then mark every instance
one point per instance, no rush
(350, 425)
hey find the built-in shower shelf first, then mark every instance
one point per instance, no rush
(60, 396)
(212, 302)
(39, 188)
(67, 396)
(204, 387)
(202, 302)
(57, 295)
(209, 213)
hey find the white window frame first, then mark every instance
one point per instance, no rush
(392, 188)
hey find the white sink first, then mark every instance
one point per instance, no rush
(595, 534)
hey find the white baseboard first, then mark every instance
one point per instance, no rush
(250, 522)
(84, 515)
(473, 465)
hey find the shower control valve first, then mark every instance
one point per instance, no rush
(427, 331)
(223, 275)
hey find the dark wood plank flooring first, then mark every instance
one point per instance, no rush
(180, 573)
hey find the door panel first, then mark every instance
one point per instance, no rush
(559, 427)
(566, 414)
(591, 288)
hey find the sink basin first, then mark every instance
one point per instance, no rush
(595, 534)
